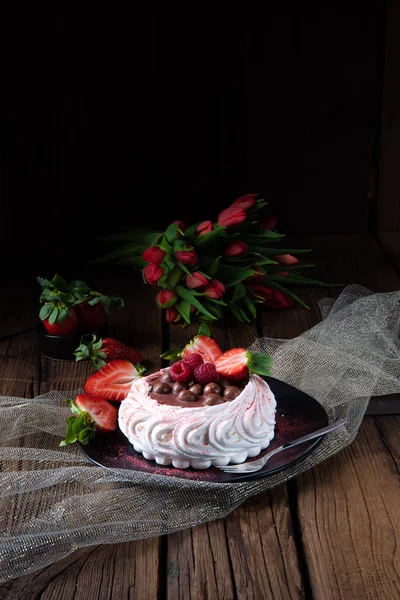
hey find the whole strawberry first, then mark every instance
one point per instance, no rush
(104, 350)
(94, 311)
(59, 318)
(58, 315)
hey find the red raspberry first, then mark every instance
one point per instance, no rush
(194, 360)
(181, 371)
(206, 373)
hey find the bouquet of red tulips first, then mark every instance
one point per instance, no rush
(208, 268)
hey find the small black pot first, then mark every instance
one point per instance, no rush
(61, 347)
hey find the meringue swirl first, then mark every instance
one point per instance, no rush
(203, 436)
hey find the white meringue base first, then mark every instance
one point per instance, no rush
(199, 437)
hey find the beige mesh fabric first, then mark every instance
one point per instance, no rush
(53, 500)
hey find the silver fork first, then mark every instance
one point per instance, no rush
(256, 465)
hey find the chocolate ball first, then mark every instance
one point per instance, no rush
(162, 388)
(224, 383)
(186, 396)
(178, 387)
(196, 389)
(212, 388)
(231, 392)
(213, 399)
(166, 377)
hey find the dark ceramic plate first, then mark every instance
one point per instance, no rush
(297, 414)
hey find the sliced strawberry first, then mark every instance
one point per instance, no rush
(113, 381)
(236, 364)
(91, 414)
(208, 348)
(202, 344)
(103, 413)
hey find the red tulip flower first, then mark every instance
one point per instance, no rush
(273, 298)
(245, 202)
(153, 255)
(215, 289)
(237, 248)
(196, 280)
(204, 227)
(231, 216)
(166, 298)
(269, 223)
(186, 257)
(172, 315)
(261, 274)
(180, 224)
(286, 259)
(152, 273)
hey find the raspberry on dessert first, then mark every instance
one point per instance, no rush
(181, 371)
(206, 373)
(194, 360)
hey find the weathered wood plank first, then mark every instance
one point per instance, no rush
(109, 572)
(198, 564)
(262, 548)
(350, 517)
(20, 366)
(104, 571)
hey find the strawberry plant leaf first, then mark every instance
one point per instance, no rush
(204, 330)
(45, 311)
(53, 315)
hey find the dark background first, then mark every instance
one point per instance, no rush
(139, 117)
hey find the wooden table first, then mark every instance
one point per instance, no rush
(331, 533)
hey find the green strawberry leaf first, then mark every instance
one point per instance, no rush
(53, 315)
(259, 363)
(204, 330)
(173, 354)
(45, 311)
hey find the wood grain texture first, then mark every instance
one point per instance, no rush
(126, 570)
(350, 517)
(262, 549)
(198, 564)
(107, 572)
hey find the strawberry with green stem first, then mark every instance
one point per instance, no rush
(103, 350)
(58, 314)
(202, 344)
(238, 363)
(90, 414)
(94, 310)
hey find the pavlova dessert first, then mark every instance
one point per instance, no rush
(209, 408)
